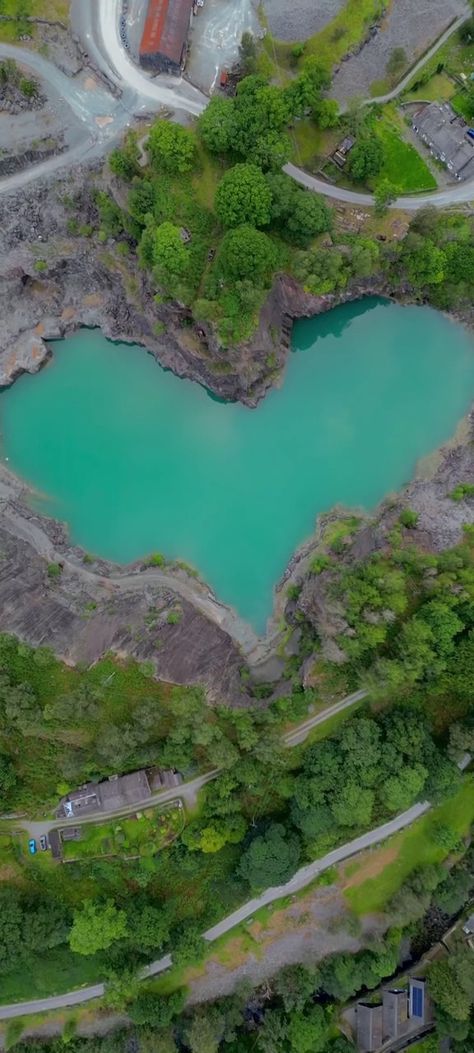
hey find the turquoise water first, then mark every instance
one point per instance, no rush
(135, 460)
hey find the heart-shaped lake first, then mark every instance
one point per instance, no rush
(137, 461)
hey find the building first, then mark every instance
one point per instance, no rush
(369, 1026)
(403, 1014)
(420, 1005)
(342, 151)
(395, 1012)
(448, 138)
(163, 43)
(468, 926)
(113, 795)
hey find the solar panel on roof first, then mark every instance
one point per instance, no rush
(417, 1001)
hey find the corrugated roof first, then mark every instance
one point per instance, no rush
(166, 28)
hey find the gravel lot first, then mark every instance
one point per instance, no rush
(411, 24)
(301, 933)
(301, 18)
(215, 36)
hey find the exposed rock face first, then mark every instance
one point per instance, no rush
(51, 284)
(82, 615)
(440, 525)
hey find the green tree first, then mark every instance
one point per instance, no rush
(399, 791)
(170, 256)
(271, 858)
(307, 1031)
(366, 159)
(216, 124)
(326, 113)
(154, 1010)
(171, 147)
(96, 926)
(248, 253)
(243, 196)
(423, 260)
(123, 161)
(384, 195)
(203, 1034)
(248, 53)
(446, 990)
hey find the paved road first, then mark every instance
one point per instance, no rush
(300, 880)
(299, 734)
(187, 791)
(97, 26)
(454, 195)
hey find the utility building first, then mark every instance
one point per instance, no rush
(163, 44)
(395, 1012)
(369, 1026)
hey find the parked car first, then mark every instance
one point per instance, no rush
(211, 254)
(224, 77)
(32, 846)
(43, 842)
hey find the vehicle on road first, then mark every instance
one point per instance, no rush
(32, 846)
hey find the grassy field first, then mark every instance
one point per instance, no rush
(411, 848)
(454, 58)
(55, 972)
(311, 145)
(403, 166)
(439, 87)
(334, 41)
(141, 835)
(53, 10)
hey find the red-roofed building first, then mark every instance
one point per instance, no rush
(163, 44)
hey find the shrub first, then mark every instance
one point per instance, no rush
(54, 571)
(409, 518)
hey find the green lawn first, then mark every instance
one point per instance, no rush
(461, 103)
(56, 971)
(137, 836)
(454, 56)
(415, 848)
(403, 165)
(311, 145)
(439, 87)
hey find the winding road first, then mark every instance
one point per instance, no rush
(96, 24)
(300, 880)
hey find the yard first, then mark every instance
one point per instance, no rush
(411, 848)
(403, 166)
(141, 835)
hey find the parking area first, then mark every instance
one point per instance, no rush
(215, 36)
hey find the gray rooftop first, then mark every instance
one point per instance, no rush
(445, 133)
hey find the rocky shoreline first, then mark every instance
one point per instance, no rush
(51, 285)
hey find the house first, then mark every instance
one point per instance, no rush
(341, 152)
(395, 1012)
(420, 1005)
(446, 135)
(468, 926)
(163, 43)
(114, 795)
(402, 1014)
(369, 1026)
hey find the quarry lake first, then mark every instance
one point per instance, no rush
(136, 461)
